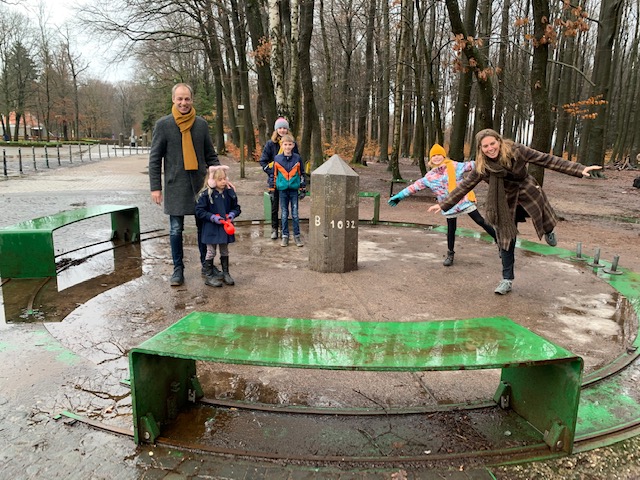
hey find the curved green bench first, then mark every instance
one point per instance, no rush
(540, 381)
(26, 248)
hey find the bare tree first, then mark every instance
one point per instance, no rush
(277, 57)
(465, 82)
(363, 107)
(266, 103)
(501, 65)
(45, 54)
(76, 67)
(311, 140)
(403, 53)
(477, 63)
(293, 95)
(384, 89)
(543, 35)
(595, 131)
(239, 29)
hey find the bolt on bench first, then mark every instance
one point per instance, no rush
(26, 248)
(540, 381)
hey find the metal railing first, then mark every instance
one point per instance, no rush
(18, 161)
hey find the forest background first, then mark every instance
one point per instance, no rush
(361, 78)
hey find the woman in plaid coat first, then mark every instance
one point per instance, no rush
(513, 194)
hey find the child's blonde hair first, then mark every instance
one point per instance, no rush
(216, 172)
(287, 137)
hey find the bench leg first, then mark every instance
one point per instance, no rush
(125, 225)
(547, 397)
(160, 388)
(27, 255)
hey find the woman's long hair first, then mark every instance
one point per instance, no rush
(275, 136)
(504, 157)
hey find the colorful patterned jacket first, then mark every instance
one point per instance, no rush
(438, 181)
(287, 173)
(269, 152)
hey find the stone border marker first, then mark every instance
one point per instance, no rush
(333, 222)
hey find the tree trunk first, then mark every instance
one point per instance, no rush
(595, 130)
(212, 50)
(363, 108)
(328, 83)
(385, 86)
(437, 134)
(311, 141)
(419, 56)
(293, 100)
(465, 82)
(502, 62)
(541, 139)
(627, 89)
(565, 81)
(228, 73)
(245, 95)
(16, 127)
(266, 111)
(484, 34)
(408, 89)
(347, 44)
(277, 57)
(478, 65)
(394, 161)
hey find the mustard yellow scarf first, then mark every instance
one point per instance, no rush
(451, 174)
(185, 122)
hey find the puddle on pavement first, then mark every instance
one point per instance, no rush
(83, 275)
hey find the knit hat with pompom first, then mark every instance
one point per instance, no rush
(281, 123)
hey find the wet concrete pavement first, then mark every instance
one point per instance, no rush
(78, 364)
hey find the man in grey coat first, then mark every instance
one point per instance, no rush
(182, 146)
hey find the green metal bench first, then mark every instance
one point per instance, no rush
(540, 381)
(26, 248)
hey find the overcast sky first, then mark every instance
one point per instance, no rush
(94, 53)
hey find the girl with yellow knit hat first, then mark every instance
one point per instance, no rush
(442, 179)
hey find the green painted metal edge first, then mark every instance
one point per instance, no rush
(27, 249)
(495, 342)
(66, 217)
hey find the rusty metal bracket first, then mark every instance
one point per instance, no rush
(149, 427)
(195, 392)
(554, 437)
(503, 395)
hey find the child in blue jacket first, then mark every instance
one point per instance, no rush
(442, 179)
(217, 201)
(272, 148)
(287, 178)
